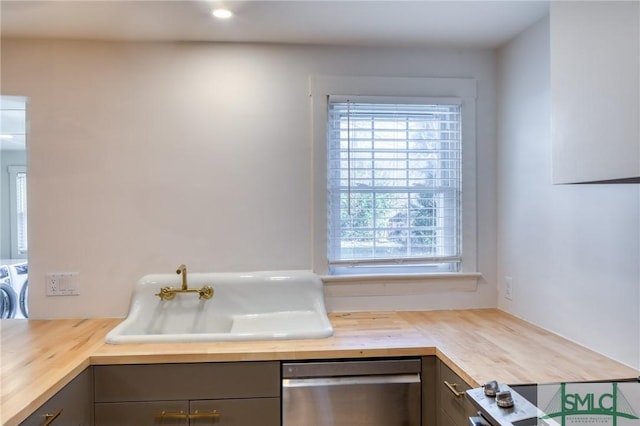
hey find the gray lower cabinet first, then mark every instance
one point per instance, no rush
(453, 406)
(218, 394)
(221, 394)
(429, 400)
(71, 406)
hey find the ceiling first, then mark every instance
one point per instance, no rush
(13, 125)
(417, 23)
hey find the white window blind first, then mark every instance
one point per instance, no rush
(18, 204)
(21, 211)
(394, 185)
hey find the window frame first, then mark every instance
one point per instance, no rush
(398, 88)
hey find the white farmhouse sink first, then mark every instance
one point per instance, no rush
(245, 306)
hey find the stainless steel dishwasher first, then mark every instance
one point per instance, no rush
(351, 393)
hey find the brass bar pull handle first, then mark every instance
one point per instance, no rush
(452, 387)
(204, 415)
(49, 418)
(172, 415)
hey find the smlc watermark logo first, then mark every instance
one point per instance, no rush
(576, 404)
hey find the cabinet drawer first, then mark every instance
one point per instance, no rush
(142, 413)
(238, 412)
(153, 382)
(456, 408)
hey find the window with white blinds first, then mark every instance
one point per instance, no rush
(18, 202)
(394, 180)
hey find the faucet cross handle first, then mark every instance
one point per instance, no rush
(166, 293)
(206, 292)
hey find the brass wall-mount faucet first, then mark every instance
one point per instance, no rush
(168, 293)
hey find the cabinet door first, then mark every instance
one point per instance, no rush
(235, 412)
(454, 406)
(222, 412)
(169, 413)
(595, 90)
(71, 406)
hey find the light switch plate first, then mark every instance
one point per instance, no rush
(63, 284)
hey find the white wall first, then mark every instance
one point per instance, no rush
(144, 156)
(573, 251)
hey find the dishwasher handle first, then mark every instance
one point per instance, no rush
(314, 382)
(297, 370)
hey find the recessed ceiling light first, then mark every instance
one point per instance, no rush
(4, 136)
(222, 13)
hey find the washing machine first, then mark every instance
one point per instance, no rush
(14, 288)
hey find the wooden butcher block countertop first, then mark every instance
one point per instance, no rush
(38, 358)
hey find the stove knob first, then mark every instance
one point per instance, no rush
(504, 399)
(491, 388)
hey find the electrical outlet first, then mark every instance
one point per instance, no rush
(508, 288)
(63, 284)
(52, 284)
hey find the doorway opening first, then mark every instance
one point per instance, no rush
(14, 267)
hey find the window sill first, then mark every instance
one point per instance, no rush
(400, 284)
